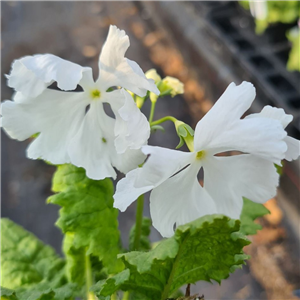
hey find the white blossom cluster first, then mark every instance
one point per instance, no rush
(73, 127)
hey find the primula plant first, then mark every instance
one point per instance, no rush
(204, 226)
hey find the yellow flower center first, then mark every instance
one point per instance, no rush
(95, 94)
(200, 154)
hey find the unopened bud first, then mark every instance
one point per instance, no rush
(139, 101)
(171, 86)
(186, 134)
(152, 74)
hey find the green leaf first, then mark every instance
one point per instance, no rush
(87, 214)
(24, 258)
(112, 284)
(7, 294)
(209, 248)
(144, 239)
(75, 265)
(135, 296)
(30, 269)
(45, 291)
(250, 212)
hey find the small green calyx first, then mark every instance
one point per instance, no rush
(200, 155)
(104, 140)
(186, 135)
(139, 101)
(95, 94)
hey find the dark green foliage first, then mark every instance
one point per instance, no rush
(30, 270)
(209, 248)
(87, 217)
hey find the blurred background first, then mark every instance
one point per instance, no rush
(206, 45)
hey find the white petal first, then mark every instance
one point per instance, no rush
(179, 200)
(58, 116)
(262, 137)
(221, 129)
(230, 107)
(32, 74)
(116, 70)
(293, 150)
(229, 179)
(53, 114)
(17, 122)
(132, 130)
(126, 192)
(293, 145)
(161, 164)
(275, 114)
(21, 98)
(128, 160)
(90, 148)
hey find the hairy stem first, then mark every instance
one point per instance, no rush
(153, 103)
(138, 222)
(89, 278)
(164, 119)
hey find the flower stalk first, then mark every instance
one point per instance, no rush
(153, 103)
(138, 222)
(162, 120)
(114, 296)
(126, 296)
(89, 278)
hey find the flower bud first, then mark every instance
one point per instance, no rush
(152, 74)
(171, 86)
(186, 134)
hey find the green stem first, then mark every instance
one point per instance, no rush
(138, 222)
(164, 119)
(89, 278)
(114, 297)
(153, 103)
(166, 290)
(126, 296)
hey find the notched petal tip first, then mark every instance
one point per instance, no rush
(113, 29)
(242, 89)
(248, 87)
(276, 114)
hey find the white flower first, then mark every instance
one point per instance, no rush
(73, 126)
(177, 196)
